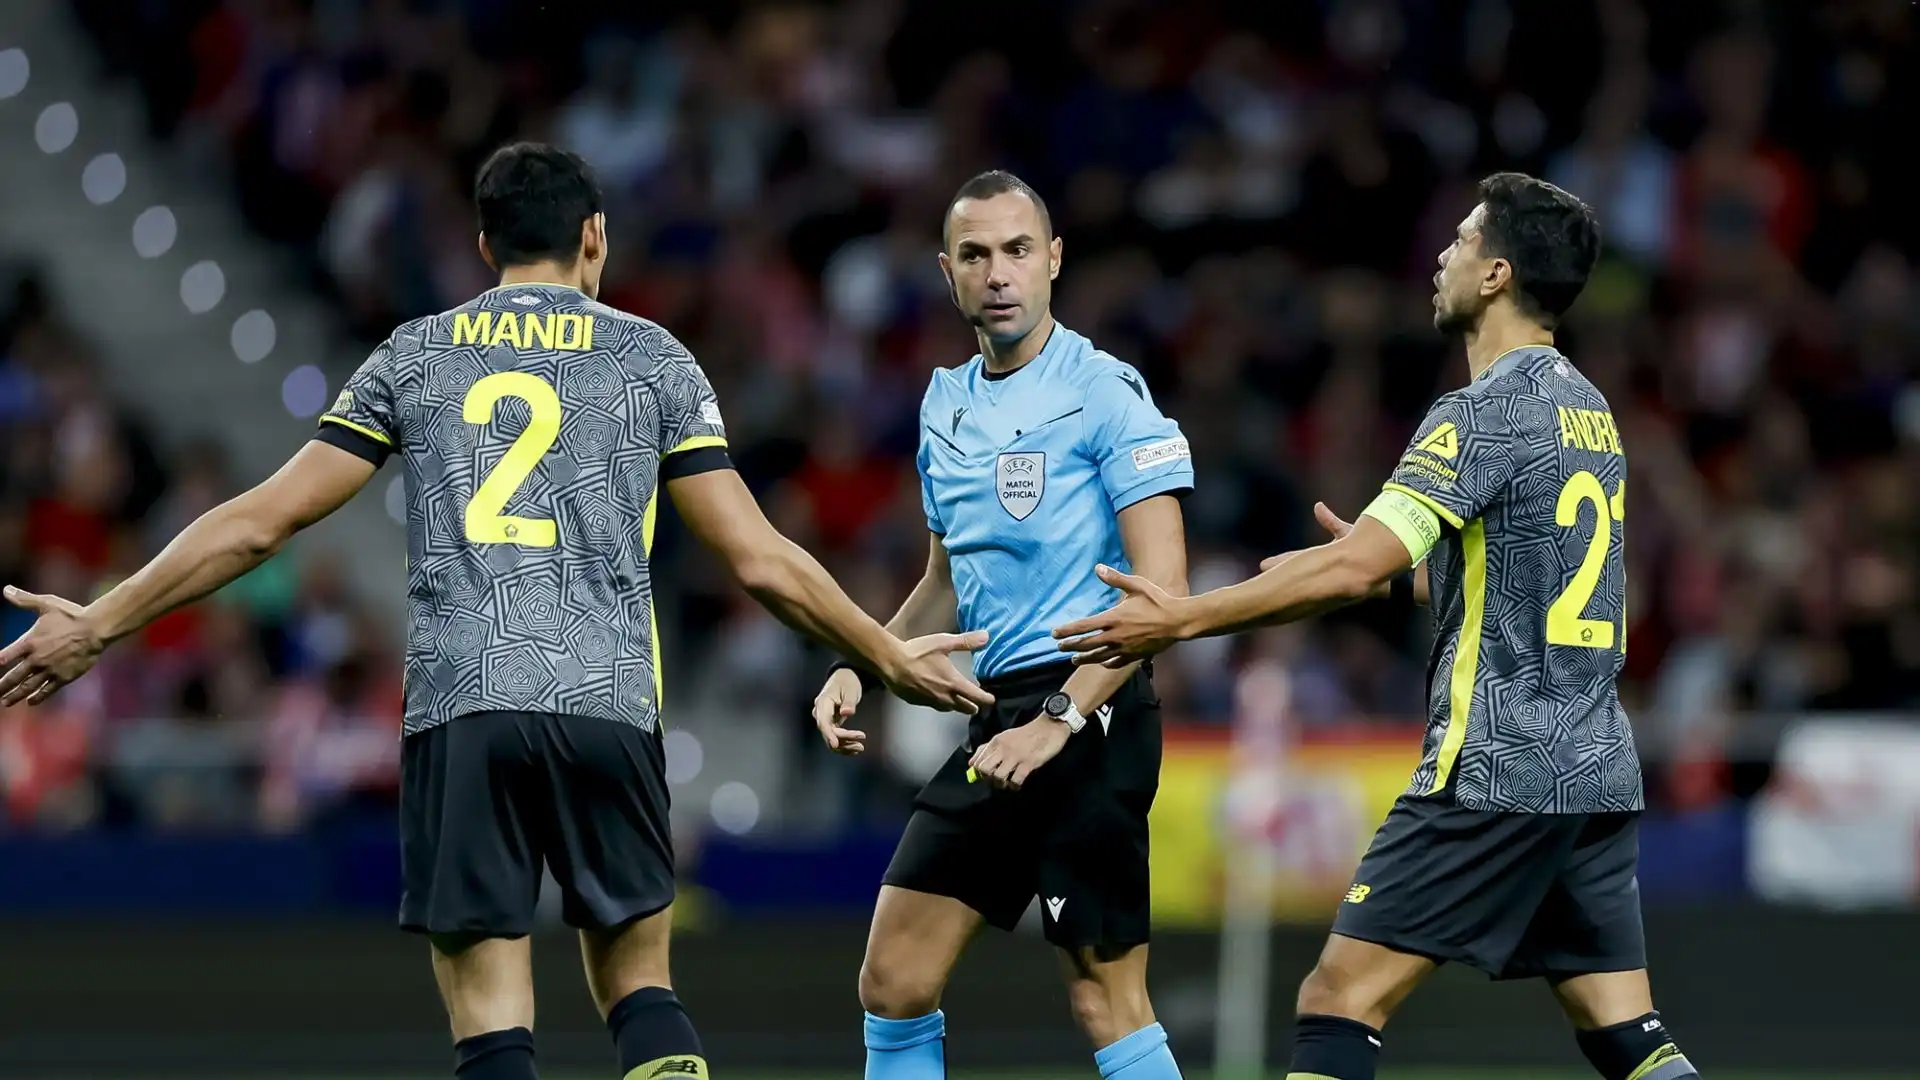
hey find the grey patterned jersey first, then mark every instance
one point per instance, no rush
(1528, 591)
(536, 426)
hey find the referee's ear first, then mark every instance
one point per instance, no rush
(1054, 248)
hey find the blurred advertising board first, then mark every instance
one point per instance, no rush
(1301, 804)
(1839, 825)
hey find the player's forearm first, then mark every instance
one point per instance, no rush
(793, 586)
(1314, 581)
(1091, 685)
(1422, 587)
(931, 608)
(221, 545)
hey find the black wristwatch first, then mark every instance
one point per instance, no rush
(1060, 707)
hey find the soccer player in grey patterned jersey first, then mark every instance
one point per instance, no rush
(1515, 848)
(537, 428)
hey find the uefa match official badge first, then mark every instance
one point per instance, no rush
(1020, 479)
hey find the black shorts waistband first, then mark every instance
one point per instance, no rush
(1032, 680)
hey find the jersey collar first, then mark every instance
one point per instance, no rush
(1514, 358)
(1056, 339)
(535, 285)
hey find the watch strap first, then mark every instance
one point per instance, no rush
(869, 682)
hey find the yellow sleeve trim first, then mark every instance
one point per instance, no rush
(1417, 526)
(1426, 500)
(699, 442)
(361, 428)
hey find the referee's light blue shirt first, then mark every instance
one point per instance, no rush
(1024, 476)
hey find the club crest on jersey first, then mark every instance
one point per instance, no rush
(1020, 479)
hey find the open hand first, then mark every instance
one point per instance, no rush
(58, 648)
(924, 674)
(1146, 621)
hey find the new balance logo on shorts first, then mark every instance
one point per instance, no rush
(1054, 906)
(1358, 894)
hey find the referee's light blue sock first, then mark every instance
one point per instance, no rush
(1143, 1055)
(913, 1049)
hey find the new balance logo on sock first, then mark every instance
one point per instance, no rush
(1054, 904)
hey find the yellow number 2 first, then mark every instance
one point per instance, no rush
(485, 522)
(1567, 623)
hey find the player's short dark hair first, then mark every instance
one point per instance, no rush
(532, 200)
(986, 186)
(1550, 237)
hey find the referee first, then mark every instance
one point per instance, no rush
(1040, 459)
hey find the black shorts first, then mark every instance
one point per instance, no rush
(1515, 895)
(1074, 835)
(487, 798)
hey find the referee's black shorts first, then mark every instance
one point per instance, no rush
(1075, 834)
(1515, 895)
(487, 798)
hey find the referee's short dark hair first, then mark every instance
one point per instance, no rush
(1551, 238)
(986, 186)
(532, 199)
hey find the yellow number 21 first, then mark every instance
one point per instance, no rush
(1567, 623)
(485, 522)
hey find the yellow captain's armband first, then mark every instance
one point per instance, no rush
(1417, 526)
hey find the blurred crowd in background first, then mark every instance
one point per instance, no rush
(1252, 196)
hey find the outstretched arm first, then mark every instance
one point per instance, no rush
(218, 547)
(798, 591)
(1321, 579)
(1339, 527)
(1313, 581)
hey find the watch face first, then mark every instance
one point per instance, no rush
(1057, 705)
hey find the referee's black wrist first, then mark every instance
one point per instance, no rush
(869, 682)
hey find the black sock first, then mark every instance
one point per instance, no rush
(1638, 1049)
(1333, 1048)
(495, 1055)
(656, 1040)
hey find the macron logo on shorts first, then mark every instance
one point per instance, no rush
(1054, 906)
